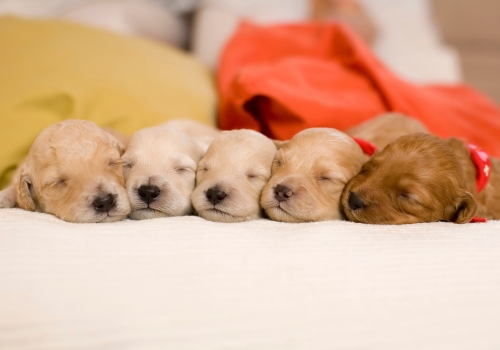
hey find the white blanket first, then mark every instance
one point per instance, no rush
(187, 283)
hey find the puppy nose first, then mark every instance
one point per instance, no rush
(148, 193)
(355, 202)
(282, 193)
(215, 195)
(104, 203)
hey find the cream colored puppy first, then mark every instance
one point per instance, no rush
(230, 177)
(308, 175)
(73, 171)
(160, 167)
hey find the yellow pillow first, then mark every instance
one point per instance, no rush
(53, 70)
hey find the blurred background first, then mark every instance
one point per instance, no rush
(424, 41)
(473, 29)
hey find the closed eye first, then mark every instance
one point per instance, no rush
(114, 162)
(255, 176)
(184, 169)
(127, 164)
(409, 198)
(332, 179)
(62, 182)
(277, 162)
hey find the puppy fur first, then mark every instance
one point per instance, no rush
(202, 133)
(231, 175)
(73, 171)
(308, 175)
(386, 128)
(421, 178)
(160, 167)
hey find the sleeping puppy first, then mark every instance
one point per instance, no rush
(160, 166)
(230, 177)
(308, 175)
(73, 171)
(421, 178)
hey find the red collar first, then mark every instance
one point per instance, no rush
(482, 163)
(367, 147)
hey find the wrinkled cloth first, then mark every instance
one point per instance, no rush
(285, 78)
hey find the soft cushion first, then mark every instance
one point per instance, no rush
(53, 70)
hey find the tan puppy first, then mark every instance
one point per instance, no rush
(308, 175)
(160, 166)
(230, 177)
(421, 178)
(73, 171)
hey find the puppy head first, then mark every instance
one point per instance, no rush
(159, 167)
(73, 171)
(308, 175)
(416, 178)
(231, 175)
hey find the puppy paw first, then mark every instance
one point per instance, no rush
(8, 198)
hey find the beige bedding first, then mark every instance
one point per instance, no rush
(187, 283)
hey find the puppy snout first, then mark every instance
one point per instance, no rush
(104, 203)
(282, 193)
(148, 193)
(355, 202)
(215, 195)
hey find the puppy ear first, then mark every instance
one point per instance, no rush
(465, 209)
(25, 192)
(279, 143)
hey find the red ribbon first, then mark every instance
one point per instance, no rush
(367, 147)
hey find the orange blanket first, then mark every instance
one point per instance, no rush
(282, 79)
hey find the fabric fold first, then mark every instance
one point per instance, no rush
(282, 79)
